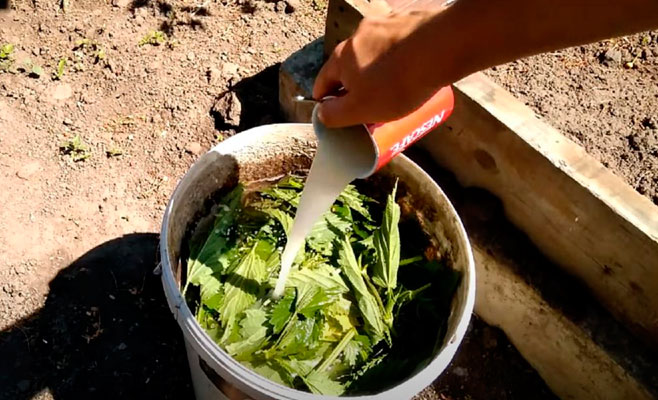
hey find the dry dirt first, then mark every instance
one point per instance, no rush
(603, 96)
(81, 312)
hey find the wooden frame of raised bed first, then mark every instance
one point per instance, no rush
(581, 216)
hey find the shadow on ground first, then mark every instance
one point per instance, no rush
(104, 332)
(259, 99)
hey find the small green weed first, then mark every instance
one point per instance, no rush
(36, 71)
(154, 38)
(76, 149)
(6, 59)
(61, 67)
(30, 68)
(6, 50)
(91, 48)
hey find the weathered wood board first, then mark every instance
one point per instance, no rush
(575, 210)
(564, 355)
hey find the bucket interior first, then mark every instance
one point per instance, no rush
(274, 151)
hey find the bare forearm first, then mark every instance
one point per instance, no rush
(490, 32)
(392, 65)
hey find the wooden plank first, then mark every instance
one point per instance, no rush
(564, 355)
(576, 211)
(343, 17)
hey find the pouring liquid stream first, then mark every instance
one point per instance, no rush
(342, 156)
(355, 152)
(325, 182)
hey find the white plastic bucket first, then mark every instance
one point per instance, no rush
(283, 148)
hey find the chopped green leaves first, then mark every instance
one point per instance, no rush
(333, 329)
(208, 259)
(243, 286)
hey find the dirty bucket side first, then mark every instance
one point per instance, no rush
(282, 148)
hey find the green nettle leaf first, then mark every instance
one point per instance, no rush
(290, 196)
(313, 298)
(244, 349)
(337, 351)
(301, 368)
(298, 338)
(367, 303)
(208, 260)
(323, 275)
(405, 296)
(351, 353)
(282, 311)
(271, 371)
(242, 287)
(356, 201)
(212, 291)
(325, 232)
(340, 319)
(386, 241)
(282, 217)
(321, 383)
(253, 333)
(231, 332)
(253, 321)
(343, 212)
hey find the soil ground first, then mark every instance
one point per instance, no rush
(603, 96)
(81, 313)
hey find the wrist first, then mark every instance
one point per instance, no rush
(443, 49)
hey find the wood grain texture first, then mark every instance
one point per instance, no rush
(566, 358)
(575, 210)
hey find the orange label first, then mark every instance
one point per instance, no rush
(392, 138)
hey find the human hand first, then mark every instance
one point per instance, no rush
(388, 68)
